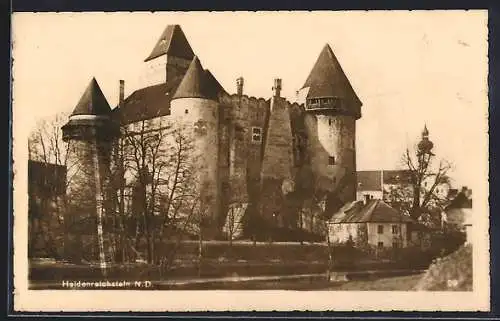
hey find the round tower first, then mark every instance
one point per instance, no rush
(89, 134)
(195, 108)
(331, 110)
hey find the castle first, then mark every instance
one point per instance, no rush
(269, 158)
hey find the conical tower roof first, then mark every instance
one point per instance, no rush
(172, 42)
(214, 83)
(327, 79)
(92, 102)
(196, 83)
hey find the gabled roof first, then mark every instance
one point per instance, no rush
(327, 79)
(92, 102)
(197, 83)
(172, 42)
(375, 211)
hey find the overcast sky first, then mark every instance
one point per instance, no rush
(408, 68)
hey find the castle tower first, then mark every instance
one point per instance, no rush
(195, 106)
(169, 59)
(89, 133)
(277, 160)
(331, 110)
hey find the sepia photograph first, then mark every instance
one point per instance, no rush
(251, 161)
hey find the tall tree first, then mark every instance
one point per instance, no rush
(426, 174)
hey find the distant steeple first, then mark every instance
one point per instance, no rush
(197, 83)
(92, 102)
(172, 42)
(327, 79)
(425, 145)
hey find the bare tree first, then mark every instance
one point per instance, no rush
(147, 158)
(46, 146)
(422, 168)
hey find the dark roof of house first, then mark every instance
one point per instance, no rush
(327, 79)
(45, 179)
(146, 103)
(92, 102)
(372, 180)
(375, 211)
(397, 176)
(172, 42)
(369, 180)
(197, 83)
(460, 201)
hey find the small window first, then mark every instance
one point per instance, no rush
(395, 229)
(256, 135)
(380, 229)
(186, 111)
(380, 245)
(331, 160)
(329, 122)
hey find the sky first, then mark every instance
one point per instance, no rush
(408, 68)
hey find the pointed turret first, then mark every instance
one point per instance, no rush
(92, 102)
(329, 88)
(196, 83)
(172, 42)
(91, 116)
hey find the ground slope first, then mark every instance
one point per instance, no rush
(451, 273)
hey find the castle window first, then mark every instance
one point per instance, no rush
(256, 135)
(331, 160)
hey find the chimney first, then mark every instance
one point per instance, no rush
(239, 86)
(277, 87)
(122, 93)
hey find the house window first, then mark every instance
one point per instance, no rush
(380, 245)
(380, 229)
(395, 244)
(331, 160)
(256, 135)
(186, 111)
(394, 229)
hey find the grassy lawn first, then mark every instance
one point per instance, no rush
(399, 283)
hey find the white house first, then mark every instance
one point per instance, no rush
(372, 222)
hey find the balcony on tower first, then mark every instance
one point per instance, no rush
(325, 103)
